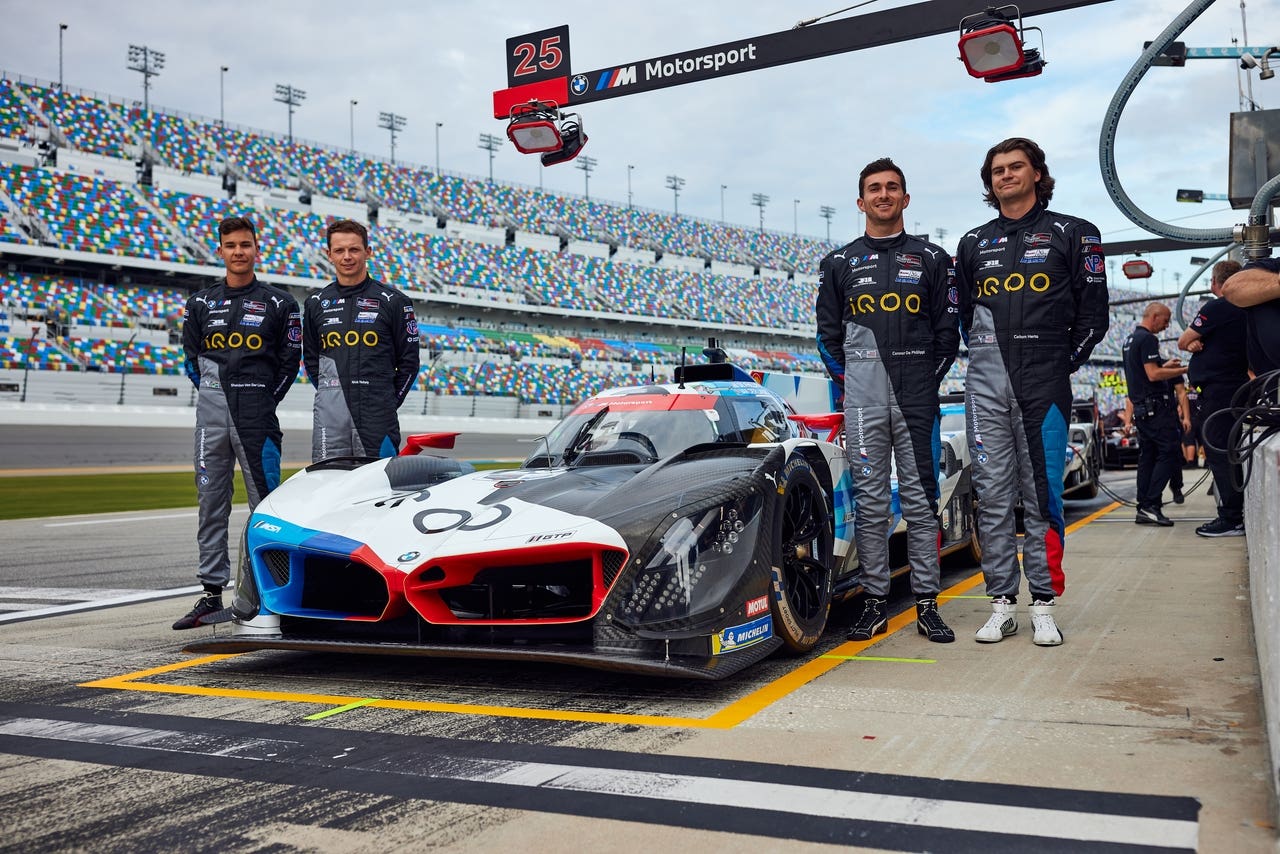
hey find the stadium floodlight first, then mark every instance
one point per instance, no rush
(148, 63)
(674, 183)
(827, 212)
(760, 200)
(290, 96)
(586, 164)
(490, 143)
(394, 123)
(992, 45)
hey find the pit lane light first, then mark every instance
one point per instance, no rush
(992, 45)
(1138, 268)
(538, 127)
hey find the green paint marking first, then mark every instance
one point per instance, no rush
(340, 709)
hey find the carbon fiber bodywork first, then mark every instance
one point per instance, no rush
(690, 529)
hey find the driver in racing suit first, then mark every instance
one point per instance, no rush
(242, 339)
(360, 346)
(888, 331)
(1033, 289)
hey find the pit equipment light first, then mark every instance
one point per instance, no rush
(1138, 268)
(992, 45)
(538, 127)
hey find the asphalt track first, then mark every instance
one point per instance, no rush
(113, 740)
(29, 449)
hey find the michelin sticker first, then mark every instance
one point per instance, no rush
(739, 637)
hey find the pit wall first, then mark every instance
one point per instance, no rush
(1262, 519)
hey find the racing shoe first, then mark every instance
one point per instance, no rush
(872, 622)
(206, 605)
(929, 622)
(1178, 497)
(1221, 528)
(1002, 622)
(1152, 516)
(1046, 630)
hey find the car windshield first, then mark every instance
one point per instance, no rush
(644, 428)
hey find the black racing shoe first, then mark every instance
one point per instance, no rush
(872, 622)
(1178, 497)
(206, 605)
(1221, 528)
(929, 622)
(1152, 516)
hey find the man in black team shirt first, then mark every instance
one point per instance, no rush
(887, 332)
(360, 345)
(242, 338)
(1155, 412)
(1033, 289)
(1218, 339)
(1257, 290)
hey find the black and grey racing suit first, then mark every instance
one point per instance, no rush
(1034, 304)
(361, 353)
(888, 330)
(242, 347)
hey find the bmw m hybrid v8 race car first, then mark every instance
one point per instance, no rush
(688, 529)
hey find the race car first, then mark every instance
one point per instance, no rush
(690, 528)
(1084, 451)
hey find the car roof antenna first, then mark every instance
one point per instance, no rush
(683, 350)
(653, 373)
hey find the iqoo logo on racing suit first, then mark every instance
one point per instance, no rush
(991, 286)
(333, 339)
(233, 341)
(888, 302)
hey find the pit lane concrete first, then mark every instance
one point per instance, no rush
(1154, 693)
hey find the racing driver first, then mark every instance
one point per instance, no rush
(1033, 289)
(888, 331)
(242, 339)
(360, 346)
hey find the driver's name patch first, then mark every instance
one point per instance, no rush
(739, 637)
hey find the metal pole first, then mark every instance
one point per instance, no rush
(795, 217)
(123, 372)
(723, 187)
(62, 28)
(352, 124)
(630, 169)
(222, 96)
(438, 126)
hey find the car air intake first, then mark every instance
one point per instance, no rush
(561, 589)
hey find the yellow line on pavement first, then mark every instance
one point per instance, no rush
(726, 718)
(883, 658)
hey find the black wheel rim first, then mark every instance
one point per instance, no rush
(803, 519)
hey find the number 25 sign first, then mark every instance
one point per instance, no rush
(538, 56)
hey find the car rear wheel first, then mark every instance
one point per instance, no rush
(801, 595)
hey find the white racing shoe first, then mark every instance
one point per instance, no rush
(1046, 630)
(1002, 622)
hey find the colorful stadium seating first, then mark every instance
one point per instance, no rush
(90, 214)
(87, 123)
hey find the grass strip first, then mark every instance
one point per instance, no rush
(27, 497)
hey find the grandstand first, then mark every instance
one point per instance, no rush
(105, 219)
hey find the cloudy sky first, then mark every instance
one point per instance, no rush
(797, 132)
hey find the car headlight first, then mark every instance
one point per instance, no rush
(696, 564)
